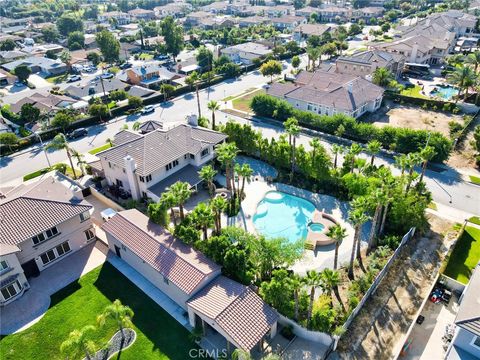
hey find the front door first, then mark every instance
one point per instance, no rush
(117, 251)
(30, 268)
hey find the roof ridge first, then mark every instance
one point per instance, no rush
(244, 290)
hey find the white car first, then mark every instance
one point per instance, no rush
(148, 109)
(107, 214)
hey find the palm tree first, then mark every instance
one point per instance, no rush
(401, 162)
(412, 160)
(204, 217)
(79, 343)
(337, 233)
(354, 150)
(358, 217)
(213, 106)
(245, 172)
(168, 201)
(66, 58)
(378, 199)
(373, 148)
(313, 54)
(473, 59)
(389, 184)
(181, 192)
(296, 284)
(218, 205)
(194, 79)
(313, 280)
(336, 149)
(463, 77)
(121, 314)
(330, 280)
(292, 129)
(240, 354)
(60, 142)
(80, 160)
(207, 174)
(382, 77)
(226, 154)
(315, 144)
(426, 154)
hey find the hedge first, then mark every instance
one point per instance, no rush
(402, 140)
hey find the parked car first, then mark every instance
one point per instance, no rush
(125, 66)
(107, 75)
(148, 109)
(18, 83)
(162, 57)
(90, 68)
(74, 78)
(107, 214)
(77, 133)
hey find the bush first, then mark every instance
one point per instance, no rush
(287, 332)
(403, 140)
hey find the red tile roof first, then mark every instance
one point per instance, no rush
(178, 262)
(237, 310)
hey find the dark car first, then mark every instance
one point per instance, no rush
(125, 66)
(77, 133)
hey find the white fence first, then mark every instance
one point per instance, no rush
(315, 336)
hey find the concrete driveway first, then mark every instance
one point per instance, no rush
(39, 81)
(30, 308)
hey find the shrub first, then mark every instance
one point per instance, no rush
(287, 332)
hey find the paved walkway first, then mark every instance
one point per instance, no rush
(30, 308)
(148, 288)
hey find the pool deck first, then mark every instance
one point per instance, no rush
(315, 238)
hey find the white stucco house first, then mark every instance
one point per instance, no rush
(42, 221)
(246, 52)
(145, 165)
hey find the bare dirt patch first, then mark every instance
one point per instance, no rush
(413, 117)
(387, 315)
(464, 155)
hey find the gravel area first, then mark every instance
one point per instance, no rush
(116, 344)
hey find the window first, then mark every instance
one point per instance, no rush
(476, 341)
(48, 256)
(11, 290)
(192, 156)
(205, 152)
(62, 248)
(89, 234)
(175, 163)
(168, 167)
(148, 178)
(109, 164)
(37, 239)
(144, 194)
(185, 156)
(55, 253)
(142, 179)
(119, 183)
(3, 265)
(84, 216)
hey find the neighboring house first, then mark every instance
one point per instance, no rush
(252, 21)
(79, 57)
(41, 50)
(217, 7)
(141, 14)
(6, 78)
(42, 221)
(212, 23)
(465, 344)
(306, 12)
(38, 64)
(302, 32)
(328, 93)
(246, 52)
(175, 9)
(215, 304)
(121, 18)
(194, 18)
(8, 56)
(460, 23)
(44, 102)
(275, 11)
(364, 63)
(288, 22)
(366, 13)
(148, 75)
(85, 91)
(145, 165)
(332, 13)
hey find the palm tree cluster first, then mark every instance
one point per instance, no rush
(465, 75)
(83, 342)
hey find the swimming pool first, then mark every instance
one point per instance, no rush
(445, 92)
(283, 215)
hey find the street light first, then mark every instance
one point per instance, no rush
(43, 148)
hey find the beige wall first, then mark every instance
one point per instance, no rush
(14, 268)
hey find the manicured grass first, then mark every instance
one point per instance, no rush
(159, 336)
(57, 79)
(242, 103)
(414, 92)
(145, 56)
(465, 255)
(475, 220)
(100, 148)
(68, 172)
(475, 179)
(432, 206)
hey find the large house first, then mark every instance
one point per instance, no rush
(288, 22)
(43, 101)
(175, 9)
(141, 14)
(465, 344)
(145, 165)
(302, 32)
(364, 63)
(329, 93)
(246, 52)
(38, 64)
(42, 221)
(121, 18)
(147, 75)
(214, 303)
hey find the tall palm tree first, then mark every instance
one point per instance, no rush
(168, 201)
(182, 192)
(336, 149)
(297, 284)
(245, 172)
(401, 162)
(329, 282)
(312, 280)
(337, 233)
(204, 217)
(207, 173)
(60, 142)
(354, 150)
(358, 217)
(463, 77)
(315, 144)
(412, 160)
(79, 343)
(313, 54)
(473, 59)
(378, 199)
(194, 80)
(373, 148)
(121, 314)
(426, 154)
(218, 205)
(226, 154)
(213, 106)
(292, 129)
(80, 160)
(66, 58)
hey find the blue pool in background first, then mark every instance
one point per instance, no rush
(283, 215)
(444, 91)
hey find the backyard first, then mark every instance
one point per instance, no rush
(465, 255)
(159, 336)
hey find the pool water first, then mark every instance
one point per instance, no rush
(283, 215)
(445, 92)
(316, 227)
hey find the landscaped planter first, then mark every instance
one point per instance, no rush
(116, 344)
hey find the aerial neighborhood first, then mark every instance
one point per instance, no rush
(240, 179)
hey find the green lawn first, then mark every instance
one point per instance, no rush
(159, 336)
(145, 56)
(465, 255)
(414, 91)
(100, 148)
(57, 79)
(475, 220)
(242, 103)
(475, 179)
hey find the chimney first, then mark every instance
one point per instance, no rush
(192, 120)
(413, 55)
(130, 168)
(350, 87)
